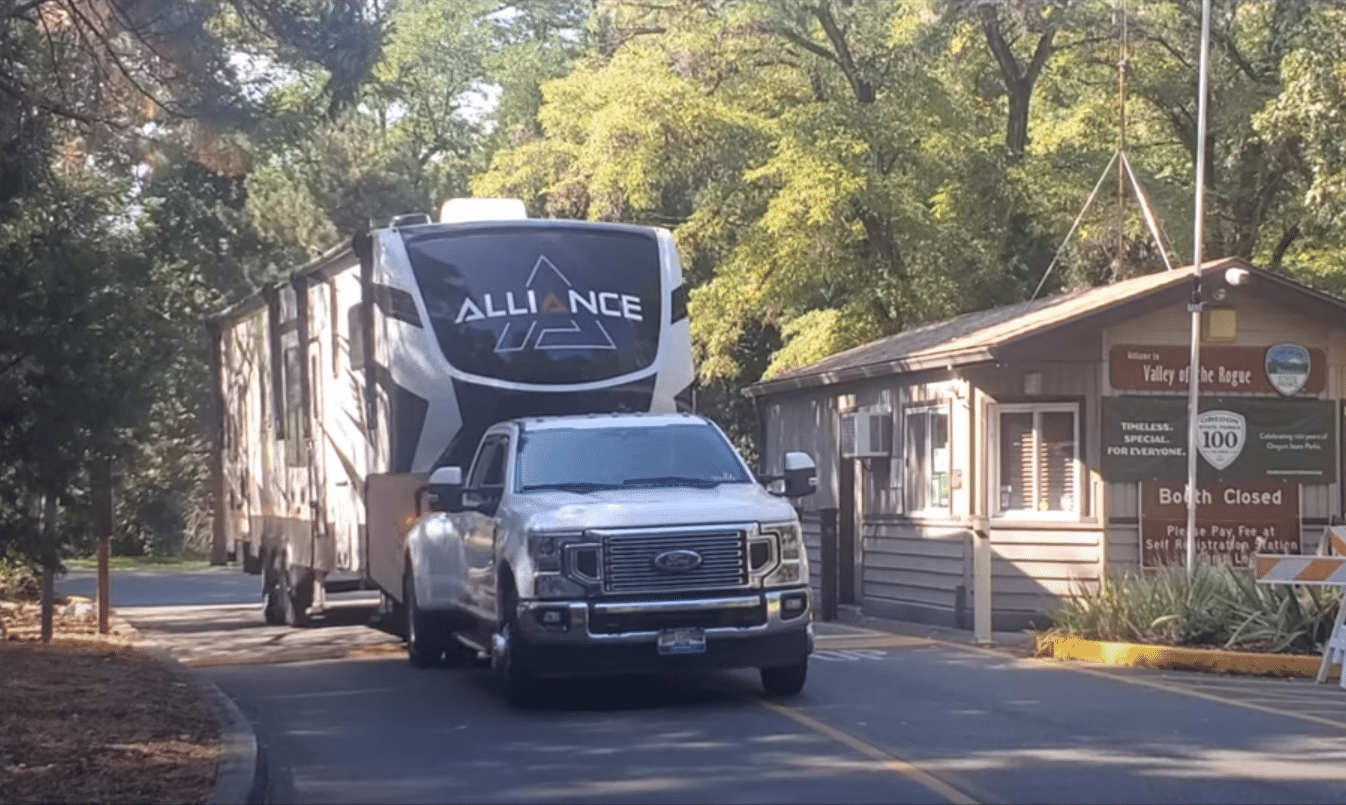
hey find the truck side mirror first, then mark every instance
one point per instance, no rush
(801, 475)
(446, 489)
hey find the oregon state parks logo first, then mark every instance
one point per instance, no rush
(1288, 368)
(1220, 436)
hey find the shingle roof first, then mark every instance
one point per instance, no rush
(972, 337)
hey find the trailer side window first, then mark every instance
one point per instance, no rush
(295, 453)
(355, 326)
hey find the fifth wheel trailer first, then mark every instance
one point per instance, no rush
(341, 387)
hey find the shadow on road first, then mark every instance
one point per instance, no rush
(233, 634)
(620, 693)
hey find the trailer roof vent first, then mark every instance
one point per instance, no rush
(481, 209)
(409, 219)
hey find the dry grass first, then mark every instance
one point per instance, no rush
(90, 718)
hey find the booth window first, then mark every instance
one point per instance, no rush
(1039, 460)
(926, 448)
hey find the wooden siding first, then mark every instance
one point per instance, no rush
(807, 423)
(1034, 570)
(813, 541)
(1258, 324)
(915, 573)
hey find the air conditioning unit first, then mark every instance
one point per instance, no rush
(867, 433)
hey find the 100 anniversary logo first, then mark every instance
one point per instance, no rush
(1220, 436)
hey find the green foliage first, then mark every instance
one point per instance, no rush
(1280, 617)
(1217, 606)
(833, 172)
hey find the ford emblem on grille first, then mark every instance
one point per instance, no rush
(679, 561)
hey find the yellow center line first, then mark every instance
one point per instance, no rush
(886, 759)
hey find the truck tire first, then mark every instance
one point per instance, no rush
(425, 638)
(785, 680)
(522, 688)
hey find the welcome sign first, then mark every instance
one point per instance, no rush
(1238, 439)
(1285, 369)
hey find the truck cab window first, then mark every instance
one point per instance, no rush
(489, 468)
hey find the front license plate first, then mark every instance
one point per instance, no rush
(682, 641)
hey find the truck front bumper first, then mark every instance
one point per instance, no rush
(569, 638)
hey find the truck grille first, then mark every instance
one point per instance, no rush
(629, 561)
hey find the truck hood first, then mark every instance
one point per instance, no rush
(646, 507)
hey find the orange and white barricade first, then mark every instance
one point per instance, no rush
(1326, 569)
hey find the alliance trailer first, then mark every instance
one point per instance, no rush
(341, 387)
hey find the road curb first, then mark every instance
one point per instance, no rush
(238, 776)
(1174, 658)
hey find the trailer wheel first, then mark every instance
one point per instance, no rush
(295, 601)
(273, 610)
(425, 638)
(785, 680)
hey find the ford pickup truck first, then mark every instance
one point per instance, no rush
(610, 544)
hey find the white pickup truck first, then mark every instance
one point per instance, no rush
(609, 544)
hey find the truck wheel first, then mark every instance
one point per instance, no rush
(425, 642)
(785, 680)
(273, 611)
(521, 686)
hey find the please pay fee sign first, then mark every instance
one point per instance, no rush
(1234, 521)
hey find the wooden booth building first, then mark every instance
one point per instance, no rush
(1056, 431)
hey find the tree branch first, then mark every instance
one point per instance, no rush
(103, 40)
(22, 93)
(864, 90)
(809, 45)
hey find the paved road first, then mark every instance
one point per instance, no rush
(885, 718)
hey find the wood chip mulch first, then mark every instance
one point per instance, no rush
(92, 718)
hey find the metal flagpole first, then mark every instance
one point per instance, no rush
(1194, 366)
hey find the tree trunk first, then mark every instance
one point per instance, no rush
(48, 602)
(48, 565)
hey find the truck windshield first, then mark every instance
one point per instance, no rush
(553, 305)
(588, 459)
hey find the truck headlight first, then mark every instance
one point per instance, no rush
(553, 585)
(793, 566)
(545, 549)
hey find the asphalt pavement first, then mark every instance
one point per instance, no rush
(891, 713)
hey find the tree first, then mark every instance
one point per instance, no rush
(92, 92)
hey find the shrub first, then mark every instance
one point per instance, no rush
(1281, 617)
(1216, 606)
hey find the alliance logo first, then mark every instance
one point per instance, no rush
(549, 293)
(1220, 436)
(1288, 368)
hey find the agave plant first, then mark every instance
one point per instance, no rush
(1278, 617)
(1215, 605)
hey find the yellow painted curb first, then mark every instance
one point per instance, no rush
(1181, 659)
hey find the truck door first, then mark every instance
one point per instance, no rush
(481, 498)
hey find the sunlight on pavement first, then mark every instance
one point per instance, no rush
(1287, 760)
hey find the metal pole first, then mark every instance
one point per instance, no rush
(1194, 370)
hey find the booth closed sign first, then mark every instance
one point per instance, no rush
(1234, 521)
